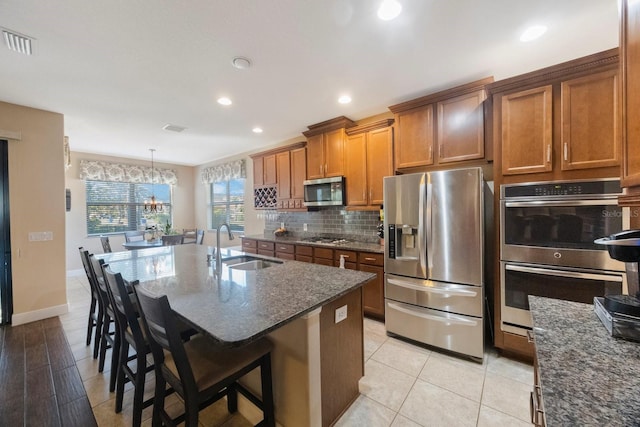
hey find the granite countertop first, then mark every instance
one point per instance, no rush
(238, 306)
(352, 246)
(587, 377)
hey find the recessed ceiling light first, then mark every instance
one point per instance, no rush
(533, 33)
(241, 63)
(257, 130)
(173, 128)
(389, 9)
(344, 99)
(224, 101)
(18, 42)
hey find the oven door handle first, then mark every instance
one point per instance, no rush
(562, 273)
(539, 203)
(433, 290)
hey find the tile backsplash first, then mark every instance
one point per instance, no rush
(330, 221)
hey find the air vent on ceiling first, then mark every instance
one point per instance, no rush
(18, 42)
(173, 128)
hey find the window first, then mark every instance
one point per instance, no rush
(114, 207)
(227, 203)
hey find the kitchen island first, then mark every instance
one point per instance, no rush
(316, 362)
(587, 377)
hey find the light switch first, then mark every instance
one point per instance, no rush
(40, 236)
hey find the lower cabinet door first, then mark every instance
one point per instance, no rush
(373, 292)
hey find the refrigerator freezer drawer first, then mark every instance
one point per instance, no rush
(453, 332)
(463, 299)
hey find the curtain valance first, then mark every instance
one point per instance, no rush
(93, 170)
(224, 172)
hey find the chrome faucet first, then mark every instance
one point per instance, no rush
(218, 255)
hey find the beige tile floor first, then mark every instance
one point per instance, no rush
(404, 385)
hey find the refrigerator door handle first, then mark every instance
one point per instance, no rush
(421, 227)
(449, 320)
(433, 290)
(429, 228)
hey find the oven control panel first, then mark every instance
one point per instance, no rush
(565, 188)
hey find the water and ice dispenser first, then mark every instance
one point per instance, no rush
(403, 241)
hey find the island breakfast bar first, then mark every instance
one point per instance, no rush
(316, 361)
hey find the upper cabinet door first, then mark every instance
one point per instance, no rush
(527, 131)
(630, 55)
(591, 121)
(355, 151)
(414, 138)
(283, 169)
(258, 171)
(461, 128)
(315, 157)
(334, 153)
(270, 174)
(379, 162)
(298, 172)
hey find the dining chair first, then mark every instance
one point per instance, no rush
(106, 246)
(199, 237)
(109, 339)
(200, 371)
(130, 330)
(190, 235)
(133, 236)
(95, 320)
(172, 239)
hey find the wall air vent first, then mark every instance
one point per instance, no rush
(173, 128)
(18, 42)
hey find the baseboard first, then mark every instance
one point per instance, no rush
(33, 316)
(75, 273)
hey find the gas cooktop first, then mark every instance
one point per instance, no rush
(327, 240)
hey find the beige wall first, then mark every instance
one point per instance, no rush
(36, 185)
(184, 207)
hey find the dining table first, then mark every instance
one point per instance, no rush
(142, 244)
(290, 302)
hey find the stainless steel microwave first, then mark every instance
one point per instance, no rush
(324, 192)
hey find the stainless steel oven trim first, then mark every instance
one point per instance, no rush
(515, 317)
(323, 180)
(502, 187)
(607, 201)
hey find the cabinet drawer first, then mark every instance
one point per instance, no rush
(285, 248)
(304, 258)
(304, 250)
(347, 265)
(349, 256)
(266, 246)
(324, 261)
(371, 258)
(249, 244)
(265, 252)
(323, 253)
(284, 255)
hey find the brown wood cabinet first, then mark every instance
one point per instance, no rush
(304, 253)
(323, 256)
(249, 245)
(325, 148)
(561, 122)
(298, 175)
(441, 128)
(369, 149)
(283, 169)
(630, 83)
(460, 133)
(526, 131)
(266, 248)
(373, 292)
(350, 259)
(264, 170)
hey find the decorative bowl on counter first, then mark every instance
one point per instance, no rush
(280, 232)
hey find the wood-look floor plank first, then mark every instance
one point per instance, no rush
(60, 355)
(42, 413)
(12, 364)
(78, 413)
(12, 410)
(68, 385)
(39, 384)
(35, 346)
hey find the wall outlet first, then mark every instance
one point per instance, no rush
(341, 313)
(304, 227)
(282, 225)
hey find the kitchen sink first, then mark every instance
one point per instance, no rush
(248, 263)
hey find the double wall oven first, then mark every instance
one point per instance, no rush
(547, 249)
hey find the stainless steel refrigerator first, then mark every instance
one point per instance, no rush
(434, 259)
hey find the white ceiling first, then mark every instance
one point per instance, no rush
(120, 70)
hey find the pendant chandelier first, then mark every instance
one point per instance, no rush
(152, 206)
